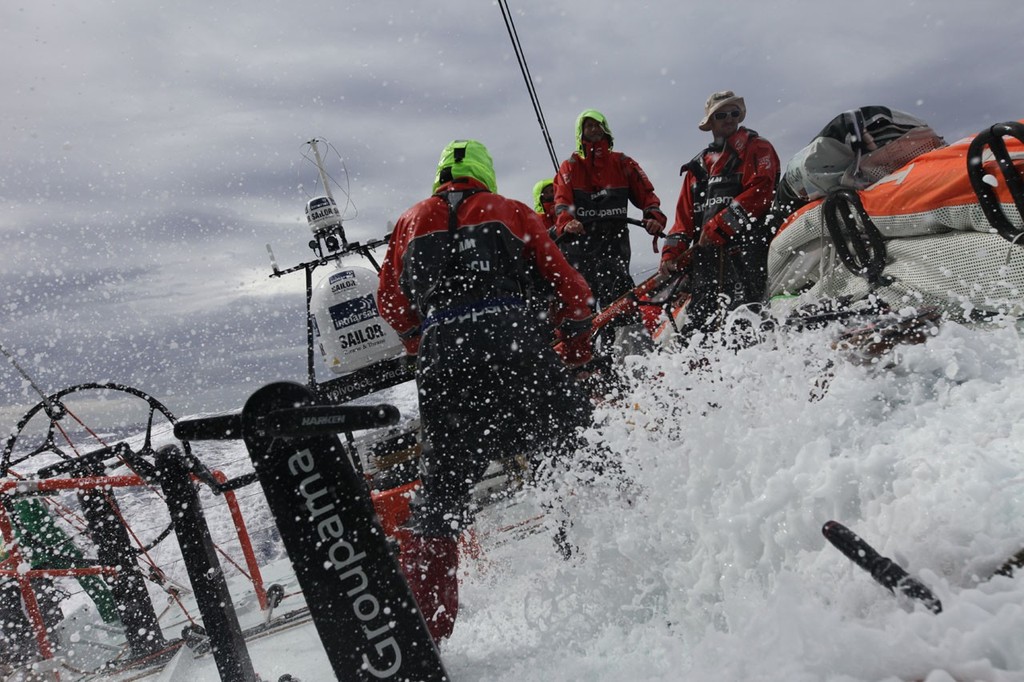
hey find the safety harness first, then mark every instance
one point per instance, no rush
(452, 270)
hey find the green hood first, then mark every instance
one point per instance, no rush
(537, 189)
(597, 116)
(466, 159)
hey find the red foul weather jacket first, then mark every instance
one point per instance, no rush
(597, 185)
(464, 273)
(726, 190)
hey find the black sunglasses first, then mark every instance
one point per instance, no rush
(722, 115)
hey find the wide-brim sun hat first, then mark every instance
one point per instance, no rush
(718, 101)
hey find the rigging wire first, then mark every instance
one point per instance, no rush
(521, 58)
(346, 189)
(31, 382)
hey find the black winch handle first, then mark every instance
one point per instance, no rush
(885, 571)
(306, 420)
(992, 137)
(223, 427)
(850, 226)
(312, 420)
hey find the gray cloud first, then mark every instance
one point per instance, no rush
(152, 151)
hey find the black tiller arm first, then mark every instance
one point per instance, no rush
(884, 570)
(304, 420)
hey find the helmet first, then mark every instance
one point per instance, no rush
(466, 159)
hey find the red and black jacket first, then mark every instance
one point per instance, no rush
(733, 182)
(597, 186)
(450, 267)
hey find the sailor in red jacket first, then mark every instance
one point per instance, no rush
(541, 294)
(593, 189)
(490, 385)
(544, 201)
(720, 234)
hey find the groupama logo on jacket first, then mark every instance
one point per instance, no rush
(466, 159)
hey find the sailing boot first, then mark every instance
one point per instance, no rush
(430, 565)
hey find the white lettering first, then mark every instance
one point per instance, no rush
(366, 599)
(312, 497)
(351, 555)
(593, 213)
(325, 420)
(330, 528)
(389, 645)
(301, 461)
(343, 557)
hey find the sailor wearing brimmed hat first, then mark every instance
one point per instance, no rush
(720, 235)
(719, 102)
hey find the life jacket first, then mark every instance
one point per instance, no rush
(479, 269)
(712, 193)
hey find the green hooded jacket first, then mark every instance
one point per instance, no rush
(466, 159)
(600, 118)
(538, 206)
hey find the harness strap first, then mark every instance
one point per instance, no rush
(472, 310)
(452, 200)
(702, 175)
(451, 267)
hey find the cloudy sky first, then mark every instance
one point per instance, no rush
(151, 150)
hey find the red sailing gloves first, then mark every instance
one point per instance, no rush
(716, 232)
(574, 342)
(411, 340)
(571, 227)
(654, 221)
(676, 254)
